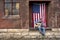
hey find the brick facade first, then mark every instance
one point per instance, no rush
(53, 18)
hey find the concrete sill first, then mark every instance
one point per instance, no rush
(11, 17)
(13, 30)
(36, 29)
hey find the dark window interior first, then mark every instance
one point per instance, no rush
(11, 7)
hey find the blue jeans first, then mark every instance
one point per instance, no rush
(42, 30)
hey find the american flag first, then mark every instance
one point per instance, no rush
(38, 11)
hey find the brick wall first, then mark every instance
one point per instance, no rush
(53, 18)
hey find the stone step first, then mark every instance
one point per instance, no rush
(30, 34)
(19, 33)
(24, 30)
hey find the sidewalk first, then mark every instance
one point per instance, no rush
(27, 35)
(31, 34)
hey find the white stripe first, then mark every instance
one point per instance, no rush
(40, 10)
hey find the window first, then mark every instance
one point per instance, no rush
(11, 7)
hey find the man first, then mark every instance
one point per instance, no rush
(41, 28)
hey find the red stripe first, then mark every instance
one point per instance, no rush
(45, 13)
(40, 10)
(32, 20)
(37, 16)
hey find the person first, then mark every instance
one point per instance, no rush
(41, 28)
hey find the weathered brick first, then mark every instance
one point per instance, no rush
(25, 20)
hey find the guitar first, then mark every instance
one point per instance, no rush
(37, 25)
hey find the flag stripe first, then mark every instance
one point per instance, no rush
(45, 13)
(38, 16)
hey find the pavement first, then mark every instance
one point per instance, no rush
(29, 35)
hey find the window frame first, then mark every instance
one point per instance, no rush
(11, 7)
(11, 16)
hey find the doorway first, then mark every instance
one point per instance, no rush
(37, 11)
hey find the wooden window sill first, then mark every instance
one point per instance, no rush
(11, 17)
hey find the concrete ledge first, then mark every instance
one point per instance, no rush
(24, 30)
(18, 30)
(13, 30)
(3, 30)
(48, 33)
(30, 35)
(18, 33)
(34, 33)
(25, 33)
(55, 29)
